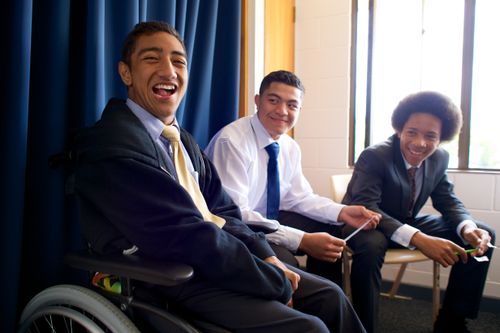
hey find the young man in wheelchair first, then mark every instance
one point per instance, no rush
(144, 191)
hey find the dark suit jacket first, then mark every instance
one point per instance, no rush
(380, 183)
(127, 197)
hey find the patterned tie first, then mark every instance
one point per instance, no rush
(413, 188)
(186, 179)
(273, 181)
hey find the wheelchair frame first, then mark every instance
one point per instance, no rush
(106, 311)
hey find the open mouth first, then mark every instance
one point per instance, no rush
(163, 90)
(416, 153)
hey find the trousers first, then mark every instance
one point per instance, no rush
(318, 306)
(465, 285)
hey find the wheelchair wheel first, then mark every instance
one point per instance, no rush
(70, 308)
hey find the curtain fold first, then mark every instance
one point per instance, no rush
(59, 68)
(15, 24)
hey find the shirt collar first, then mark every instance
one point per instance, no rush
(153, 125)
(408, 165)
(263, 137)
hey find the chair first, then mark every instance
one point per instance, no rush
(401, 257)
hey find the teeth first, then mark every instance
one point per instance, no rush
(165, 86)
(415, 152)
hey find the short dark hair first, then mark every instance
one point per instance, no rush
(431, 102)
(146, 28)
(281, 76)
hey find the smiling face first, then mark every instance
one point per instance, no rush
(420, 137)
(278, 108)
(157, 76)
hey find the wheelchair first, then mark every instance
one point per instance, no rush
(72, 308)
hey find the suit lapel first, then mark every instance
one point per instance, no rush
(402, 175)
(427, 183)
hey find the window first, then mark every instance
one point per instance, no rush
(449, 46)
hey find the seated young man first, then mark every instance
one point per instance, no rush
(145, 187)
(303, 222)
(396, 178)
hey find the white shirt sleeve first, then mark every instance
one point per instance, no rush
(463, 224)
(403, 235)
(288, 237)
(300, 198)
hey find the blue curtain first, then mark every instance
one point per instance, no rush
(58, 68)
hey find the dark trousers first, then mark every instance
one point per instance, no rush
(465, 284)
(318, 306)
(331, 271)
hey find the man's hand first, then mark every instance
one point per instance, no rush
(322, 245)
(442, 250)
(292, 276)
(477, 238)
(357, 215)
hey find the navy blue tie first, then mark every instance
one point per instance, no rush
(273, 181)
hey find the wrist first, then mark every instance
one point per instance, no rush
(417, 238)
(303, 242)
(466, 228)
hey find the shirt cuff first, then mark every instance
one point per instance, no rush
(463, 224)
(335, 214)
(403, 235)
(266, 226)
(287, 237)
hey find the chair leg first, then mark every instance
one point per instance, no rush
(397, 281)
(436, 302)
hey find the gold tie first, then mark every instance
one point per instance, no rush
(186, 179)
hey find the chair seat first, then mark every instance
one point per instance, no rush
(400, 256)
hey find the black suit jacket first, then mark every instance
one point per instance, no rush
(127, 197)
(380, 183)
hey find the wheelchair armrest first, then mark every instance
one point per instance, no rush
(133, 267)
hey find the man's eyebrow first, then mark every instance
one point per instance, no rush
(179, 53)
(293, 100)
(273, 95)
(148, 49)
(160, 50)
(416, 129)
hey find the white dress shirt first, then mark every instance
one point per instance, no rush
(238, 152)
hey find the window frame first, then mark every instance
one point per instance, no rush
(466, 86)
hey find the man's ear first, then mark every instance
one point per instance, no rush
(124, 71)
(256, 99)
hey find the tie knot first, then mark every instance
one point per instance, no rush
(273, 150)
(171, 133)
(412, 171)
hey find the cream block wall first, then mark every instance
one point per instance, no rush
(322, 62)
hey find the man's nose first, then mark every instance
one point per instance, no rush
(420, 141)
(282, 108)
(167, 70)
